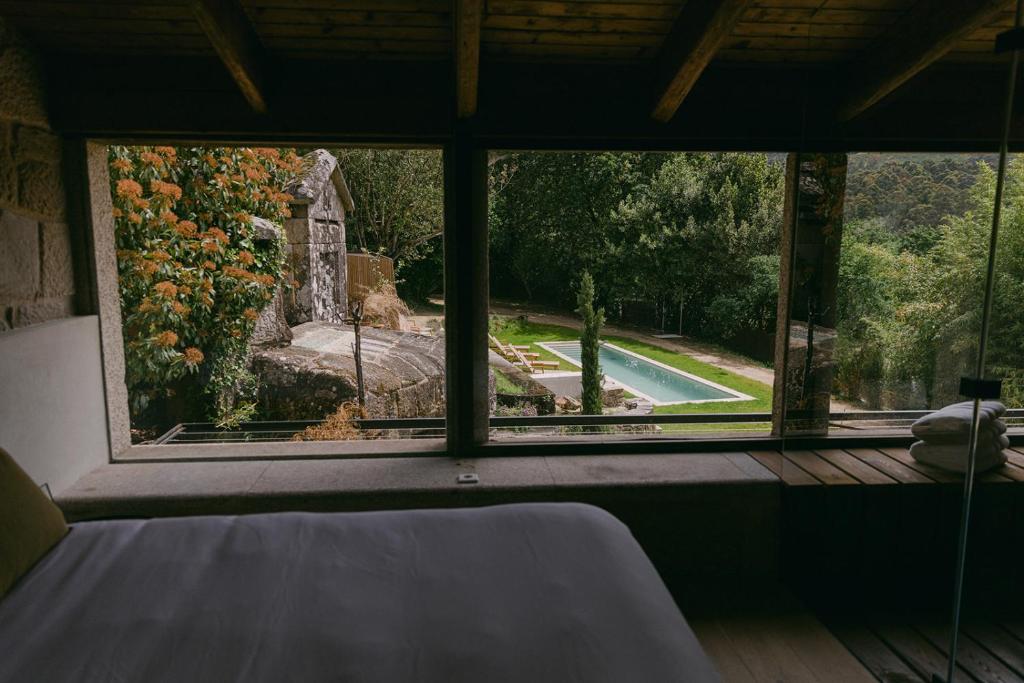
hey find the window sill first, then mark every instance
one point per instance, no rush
(144, 489)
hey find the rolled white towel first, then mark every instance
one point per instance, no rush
(957, 418)
(986, 434)
(953, 457)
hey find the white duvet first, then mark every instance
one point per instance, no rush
(536, 593)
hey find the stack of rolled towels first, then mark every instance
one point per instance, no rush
(944, 436)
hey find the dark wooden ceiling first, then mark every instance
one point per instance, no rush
(756, 74)
(624, 31)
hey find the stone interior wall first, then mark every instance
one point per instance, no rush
(36, 279)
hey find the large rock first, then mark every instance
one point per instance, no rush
(403, 373)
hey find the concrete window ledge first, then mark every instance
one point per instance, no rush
(150, 489)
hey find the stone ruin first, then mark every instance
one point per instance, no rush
(302, 349)
(316, 241)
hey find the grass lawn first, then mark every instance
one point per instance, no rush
(514, 331)
(503, 385)
(517, 332)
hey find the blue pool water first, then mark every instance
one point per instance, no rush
(643, 377)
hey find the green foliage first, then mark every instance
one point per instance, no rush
(910, 194)
(910, 321)
(590, 343)
(503, 385)
(399, 200)
(665, 229)
(192, 276)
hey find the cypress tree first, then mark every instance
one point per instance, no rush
(589, 341)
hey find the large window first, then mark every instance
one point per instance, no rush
(280, 294)
(297, 294)
(664, 265)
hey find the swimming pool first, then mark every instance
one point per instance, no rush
(659, 383)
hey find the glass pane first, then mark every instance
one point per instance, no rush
(681, 251)
(273, 294)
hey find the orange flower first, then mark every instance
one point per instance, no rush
(168, 217)
(185, 290)
(152, 158)
(179, 308)
(161, 256)
(245, 256)
(166, 189)
(209, 265)
(146, 306)
(186, 228)
(193, 356)
(211, 246)
(250, 314)
(117, 213)
(167, 151)
(239, 273)
(236, 333)
(265, 279)
(128, 188)
(166, 339)
(217, 234)
(166, 289)
(122, 165)
(148, 267)
(135, 218)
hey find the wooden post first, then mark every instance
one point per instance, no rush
(808, 276)
(466, 286)
(356, 311)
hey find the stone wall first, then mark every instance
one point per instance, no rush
(316, 242)
(36, 279)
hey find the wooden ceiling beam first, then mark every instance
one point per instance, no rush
(228, 28)
(698, 32)
(930, 30)
(468, 19)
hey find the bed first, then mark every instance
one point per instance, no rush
(531, 592)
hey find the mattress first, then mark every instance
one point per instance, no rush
(535, 592)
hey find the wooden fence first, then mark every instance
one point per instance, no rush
(367, 272)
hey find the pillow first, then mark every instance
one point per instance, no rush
(30, 524)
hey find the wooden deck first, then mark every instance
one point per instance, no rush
(874, 467)
(909, 648)
(762, 634)
(868, 544)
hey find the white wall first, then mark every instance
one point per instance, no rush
(52, 407)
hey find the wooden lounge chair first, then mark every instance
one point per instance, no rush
(532, 364)
(508, 351)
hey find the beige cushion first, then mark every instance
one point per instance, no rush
(30, 524)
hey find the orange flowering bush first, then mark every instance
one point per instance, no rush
(192, 276)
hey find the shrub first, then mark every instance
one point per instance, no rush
(192, 276)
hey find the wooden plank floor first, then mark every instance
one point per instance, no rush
(910, 648)
(765, 635)
(875, 467)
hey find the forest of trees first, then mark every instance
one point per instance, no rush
(691, 240)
